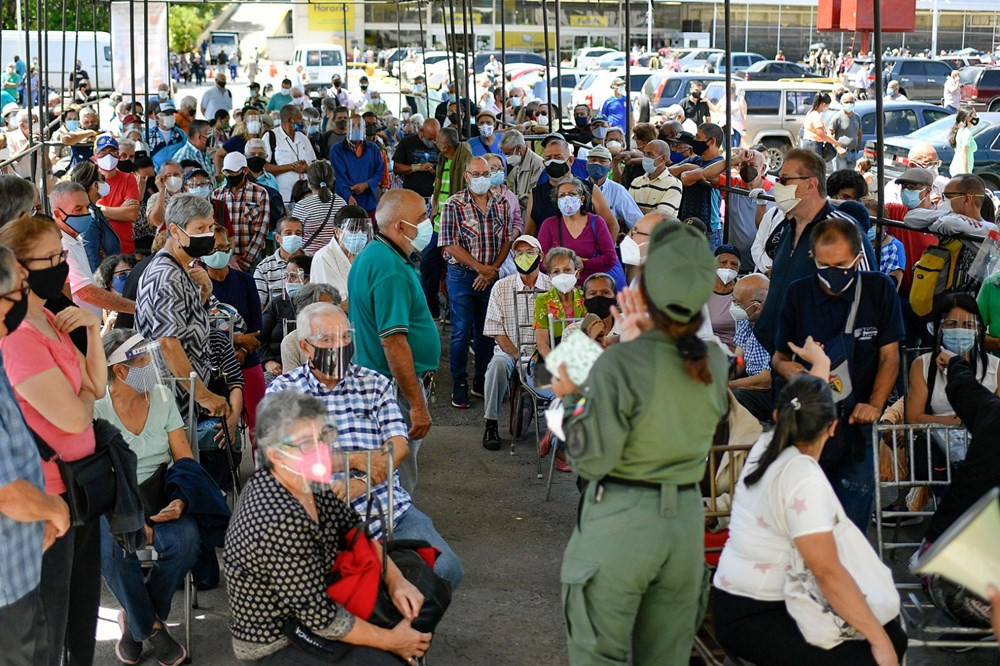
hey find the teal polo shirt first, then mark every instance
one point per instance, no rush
(386, 298)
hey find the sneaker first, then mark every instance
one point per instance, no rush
(128, 650)
(167, 651)
(477, 389)
(460, 396)
(562, 465)
(491, 437)
(545, 444)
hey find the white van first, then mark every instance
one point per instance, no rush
(99, 71)
(313, 65)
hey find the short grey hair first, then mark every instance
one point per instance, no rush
(303, 321)
(278, 412)
(311, 293)
(450, 136)
(186, 207)
(601, 276)
(676, 112)
(253, 144)
(417, 119)
(64, 188)
(126, 143)
(189, 102)
(562, 253)
(511, 140)
(17, 197)
(8, 270)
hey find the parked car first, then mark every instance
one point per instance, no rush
(511, 57)
(919, 79)
(775, 112)
(666, 88)
(773, 70)
(696, 59)
(900, 118)
(548, 90)
(716, 62)
(415, 67)
(595, 88)
(987, 161)
(981, 88)
(586, 57)
(315, 64)
(609, 60)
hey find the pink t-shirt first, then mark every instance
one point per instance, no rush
(28, 352)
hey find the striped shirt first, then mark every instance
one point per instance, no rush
(224, 357)
(366, 414)
(168, 305)
(317, 220)
(662, 193)
(620, 202)
(248, 212)
(481, 233)
(270, 278)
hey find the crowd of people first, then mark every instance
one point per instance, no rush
(291, 264)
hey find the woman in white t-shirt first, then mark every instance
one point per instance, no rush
(751, 619)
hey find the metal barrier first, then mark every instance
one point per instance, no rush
(524, 340)
(346, 454)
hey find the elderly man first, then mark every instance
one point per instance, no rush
(488, 140)
(921, 156)
(600, 293)
(623, 205)
(892, 93)
(845, 127)
(199, 147)
(358, 166)
(17, 197)
(216, 97)
(30, 519)
(656, 189)
(855, 315)
(727, 262)
(270, 272)
(256, 155)
(20, 139)
(170, 300)
(70, 209)
(475, 236)
(675, 113)
(121, 203)
(801, 197)
(558, 160)
(416, 158)
(752, 387)
(395, 334)
(360, 402)
(166, 139)
(526, 167)
(288, 151)
(509, 317)
(248, 208)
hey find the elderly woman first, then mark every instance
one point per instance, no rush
(563, 301)
(281, 545)
(751, 618)
(281, 310)
(56, 387)
(146, 414)
(352, 231)
(584, 233)
(314, 292)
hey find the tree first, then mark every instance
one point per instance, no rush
(187, 22)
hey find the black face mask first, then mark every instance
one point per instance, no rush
(696, 95)
(126, 166)
(255, 164)
(47, 283)
(556, 170)
(198, 246)
(237, 180)
(332, 361)
(599, 305)
(531, 269)
(699, 147)
(748, 173)
(341, 125)
(16, 314)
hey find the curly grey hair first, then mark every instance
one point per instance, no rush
(562, 253)
(311, 293)
(279, 412)
(186, 207)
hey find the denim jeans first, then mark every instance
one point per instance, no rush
(415, 524)
(468, 315)
(24, 639)
(715, 239)
(146, 596)
(431, 270)
(498, 376)
(408, 470)
(847, 161)
(854, 480)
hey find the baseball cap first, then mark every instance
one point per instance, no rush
(549, 137)
(599, 151)
(234, 162)
(619, 81)
(685, 138)
(105, 141)
(916, 177)
(166, 106)
(729, 249)
(530, 240)
(131, 119)
(10, 107)
(599, 118)
(679, 273)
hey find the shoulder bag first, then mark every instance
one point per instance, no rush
(91, 485)
(819, 623)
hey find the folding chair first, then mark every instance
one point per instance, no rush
(553, 341)
(287, 326)
(345, 458)
(147, 557)
(924, 622)
(524, 340)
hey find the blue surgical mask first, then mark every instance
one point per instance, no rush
(298, 127)
(676, 158)
(958, 340)
(597, 171)
(72, 125)
(600, 132)
(218, 260)
(355, 135)
(424, 232)
(292, 288)
(479, 184)
(497, 178)
(79, 223)
(291, 244)
(849, 106)
(118, 283)
(911, 199)
(355, 241)
(200, 191)
(649, 165)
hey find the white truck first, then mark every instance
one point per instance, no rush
(223, 40)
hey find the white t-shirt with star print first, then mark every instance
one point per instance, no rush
(758, 551)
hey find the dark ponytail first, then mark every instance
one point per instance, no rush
(805, 410)
(320, 175)
(693, 349)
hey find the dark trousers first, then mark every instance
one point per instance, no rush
(468, 317)
(760, 403)
(356, 655)
(24, 641)
(431, 272)
(71, 593)
(763, 632)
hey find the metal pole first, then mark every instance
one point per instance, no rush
(347, 70)
(454, 57)
(97, 65)
(17, 11)
(131, 44)
(62, 76)
(76, 46)
(810, 27)
(548, 55)
(423, 59)
(778, 47)
(628, 70)
(503, 61)
(934, 28)
(729, 111)
(559, 99)
(964, 16)
(466, 26)
(746, 35)
(715, 21)
(399, 59)
(33, 160)
(145, 68)
(649, 26)
(880, 124)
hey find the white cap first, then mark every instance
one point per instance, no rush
(234, 162)
(530, 240)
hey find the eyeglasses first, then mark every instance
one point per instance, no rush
(53, 260)
(635, 232)
(478, 174)
(122, 273)
(325, 437)
(22, 290)
(785, 179)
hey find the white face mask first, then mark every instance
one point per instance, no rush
(513, 160)
(253, 126)
(542, 119)
(727, 275)
(174, 184)
(631, 252)
(614, 146)
(945, 205)
(169, 122)
(565, 283)
(486, 130)
(784, 197)
(738, 313)
(107, 162)
(103, 189)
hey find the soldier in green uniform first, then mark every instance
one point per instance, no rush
(638, 431)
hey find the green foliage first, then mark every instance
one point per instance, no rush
(187, 22)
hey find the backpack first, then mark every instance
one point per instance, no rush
(933, 274)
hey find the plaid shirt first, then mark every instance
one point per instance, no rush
(893, 257)
(202, 157)
(20, 542)
(482, 234)
(754, 355)
(248, 210)
(501, 311)
(366, 415)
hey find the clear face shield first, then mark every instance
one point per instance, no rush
(332, 351)
(307, 452)
(293, 280)
(355, 234)
(144, 365)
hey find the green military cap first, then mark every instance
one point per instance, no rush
(679, 272)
